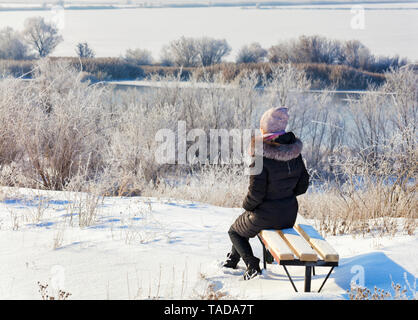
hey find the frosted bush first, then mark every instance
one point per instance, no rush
(60, 132)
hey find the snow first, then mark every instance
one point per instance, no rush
(311, 232)
(141, 248)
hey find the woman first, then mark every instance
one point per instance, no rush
(271, 200)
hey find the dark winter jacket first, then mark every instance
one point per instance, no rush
(272, 193)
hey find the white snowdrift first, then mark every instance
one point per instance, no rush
(143, 248)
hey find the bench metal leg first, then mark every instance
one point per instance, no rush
(313, 270)
(290, 278)
(326, 278)
(308, 277)
(264, 253)
(264, 257)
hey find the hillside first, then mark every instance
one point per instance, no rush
(141, 248)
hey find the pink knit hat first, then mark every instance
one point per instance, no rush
(274, 120)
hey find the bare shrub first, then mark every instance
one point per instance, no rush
(246, 98)
(211, 51)
(64, 126)
(372, 189)
(217, 185)
(83, 50)
(314, 48)
(11, 45)
(371, 194)
(139, 56)
(402, 86)
(181, 52)
(283, 80)
(10, 126)
(320, 124)
(357, 55)
(319, 49)
(253, 53)
(371, 123)
(129, 157)
(192, 52)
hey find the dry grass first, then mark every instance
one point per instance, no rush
(212, 294)
(399, 293)
(98, 69)
(220, 186)
(210, 291)
(85, 206)
(43, 290)
(362, 212)
(375, 193)
(58, 239)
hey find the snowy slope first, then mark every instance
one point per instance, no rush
(159, 248)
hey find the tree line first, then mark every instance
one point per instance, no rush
(39, 39)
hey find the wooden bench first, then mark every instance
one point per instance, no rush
(301, 245)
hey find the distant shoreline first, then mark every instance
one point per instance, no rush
(245, 5)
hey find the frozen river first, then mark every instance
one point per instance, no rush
(389, 28)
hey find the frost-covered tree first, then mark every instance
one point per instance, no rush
(356, 55)
(11, 46)
(180, 52)
(316, 49)
(320, 49)
(191, 52)
(139, 56)
(251, 53)
(83, 50)
(42, 37)
(211, 51)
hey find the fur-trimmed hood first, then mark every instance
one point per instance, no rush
(279, 152)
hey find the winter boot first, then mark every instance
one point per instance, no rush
(232, 260)
(269, 257)
(253, 267)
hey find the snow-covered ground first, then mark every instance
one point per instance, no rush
(163, 248)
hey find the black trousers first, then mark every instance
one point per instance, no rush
(246, 226)
(240, 233)
(241, 247)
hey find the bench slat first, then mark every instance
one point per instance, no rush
(324, 249)
(276, 245)
(298, 244)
